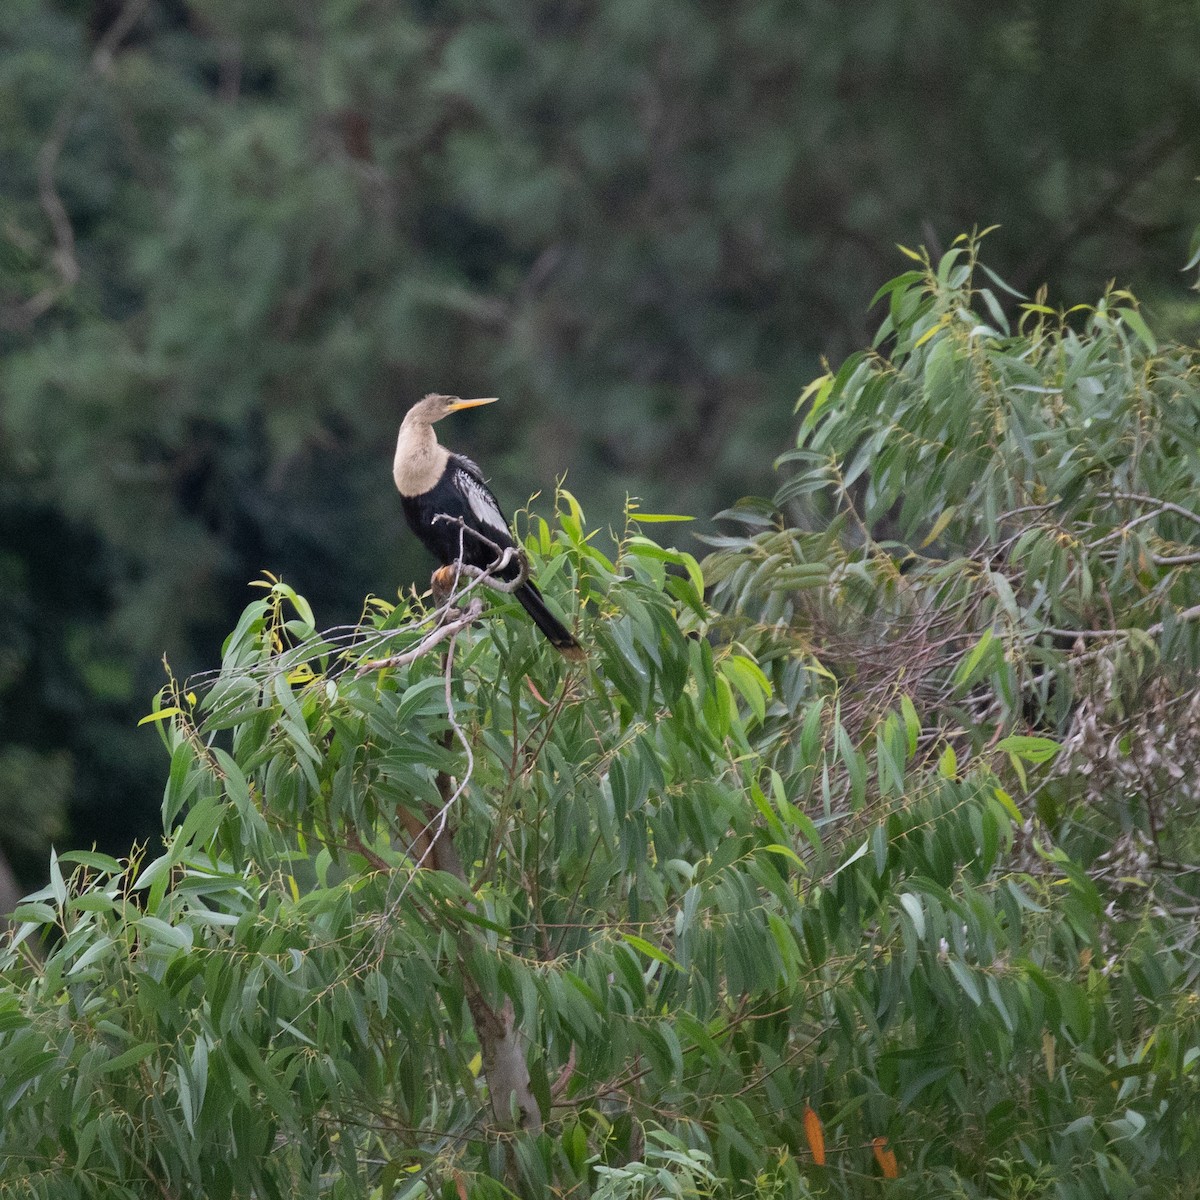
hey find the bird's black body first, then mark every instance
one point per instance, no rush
(461, 494)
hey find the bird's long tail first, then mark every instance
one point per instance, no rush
(555, 632)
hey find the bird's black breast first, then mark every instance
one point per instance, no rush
(460, 494)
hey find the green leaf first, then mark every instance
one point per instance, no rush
(35, 912)
(787, 852)
(861, 852)
(948, 763)
(177, 937)
(912, 905)
(1136, 322)
(1031, 749)
(92, 954)
(90, 858)
(163, 714)
(747, 677)
(130, 1058)
(58, 886)
(1008, 804)
(650, 950)
(968, 667)
(966, 980)
(152, 872)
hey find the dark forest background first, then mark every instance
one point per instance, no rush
(238, 239)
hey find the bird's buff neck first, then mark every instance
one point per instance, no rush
(420, 460)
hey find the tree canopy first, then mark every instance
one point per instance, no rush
(238, 239)
(859, 858)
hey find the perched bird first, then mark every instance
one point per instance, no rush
(434, 483)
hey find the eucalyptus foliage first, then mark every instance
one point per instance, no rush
(236, 239)
(1020, 488)
(796, 888)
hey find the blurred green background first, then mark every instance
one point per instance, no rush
(239, 237)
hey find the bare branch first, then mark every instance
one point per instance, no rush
(434, 829)
(472, 614)
(65, 261)
(1121, 530)
(504, 556)
(1187, 614)
(559, 1086)
(1163, 505)
(474, 610)
(1082, 633)
(500, 1042)
(1175, 560)
(355, 843)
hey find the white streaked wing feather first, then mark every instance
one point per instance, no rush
(470, 466)
(483, 503)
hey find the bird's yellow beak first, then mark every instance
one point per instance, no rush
(471, 403)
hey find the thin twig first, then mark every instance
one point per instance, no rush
(1121, 530)
(504, 556)
(564, 1076)
(1188, 614)
(355, 843)
(435, 827)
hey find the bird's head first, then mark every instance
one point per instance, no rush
(434, 407)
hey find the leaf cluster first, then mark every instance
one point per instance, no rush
(715, 888)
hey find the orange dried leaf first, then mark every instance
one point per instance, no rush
(886, 1158)
(814, 1132)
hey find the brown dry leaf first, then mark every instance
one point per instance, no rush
(886, 1158)
(814, 1132)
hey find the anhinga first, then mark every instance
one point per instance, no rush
(434, 483)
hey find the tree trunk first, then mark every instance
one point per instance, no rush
(500, 1044)
(503, 1059)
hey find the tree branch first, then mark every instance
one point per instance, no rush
(504, 556)
(477, 576)
(439, 634)
(1163, 505)
(65, 261)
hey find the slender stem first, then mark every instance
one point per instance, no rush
(1163, 505)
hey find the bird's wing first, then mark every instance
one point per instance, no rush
(470, 466)
(480, 500)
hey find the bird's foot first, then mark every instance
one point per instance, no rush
(441, 582)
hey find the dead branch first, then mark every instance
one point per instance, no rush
(64, 258)
(486, 576)
(439, 634)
